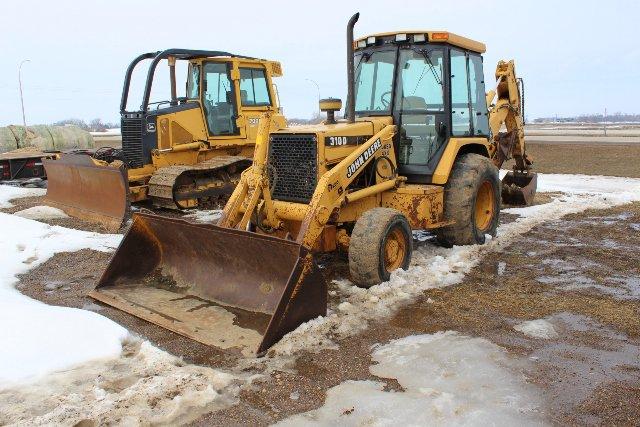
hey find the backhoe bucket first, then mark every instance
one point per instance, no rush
(234, 290)
(519, 188)
(86, 190)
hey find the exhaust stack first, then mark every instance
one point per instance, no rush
(351, 97)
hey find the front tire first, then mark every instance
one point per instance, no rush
(381, 242)
(472, 202)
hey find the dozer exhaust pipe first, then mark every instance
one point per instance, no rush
(351, 96)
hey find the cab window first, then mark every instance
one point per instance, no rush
(193, 82)
(373, 82)
(479, 113)
(460, 111)
(253, 88)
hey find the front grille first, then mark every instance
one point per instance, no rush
(293, 167)
(131, 129)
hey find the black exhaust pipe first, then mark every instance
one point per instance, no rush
(351, 96)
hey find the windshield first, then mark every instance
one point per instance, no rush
(374, 81)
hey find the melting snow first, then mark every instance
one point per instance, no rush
(42, 212)
(539, 328)
(43, 338)
(448, 379)
(208, 216)
(9, 192)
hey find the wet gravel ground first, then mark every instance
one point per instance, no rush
(580, 273)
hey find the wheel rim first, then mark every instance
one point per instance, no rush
(395, 250)
(485, 206)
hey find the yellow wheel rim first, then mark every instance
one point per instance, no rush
(395, 249)
(485, 206)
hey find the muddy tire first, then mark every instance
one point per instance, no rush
(380, 243)
(472, 200)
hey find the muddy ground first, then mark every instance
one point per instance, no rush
(582, 273)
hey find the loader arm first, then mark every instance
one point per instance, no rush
(331, 192)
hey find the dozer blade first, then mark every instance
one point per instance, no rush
(86, 190)
(519, 188)
(234, 290)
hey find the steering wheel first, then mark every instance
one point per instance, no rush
(385, 102)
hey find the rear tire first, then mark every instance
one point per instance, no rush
(472, 201)
(381, 242)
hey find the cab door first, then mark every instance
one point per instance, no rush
(420, 110)
(219, 101)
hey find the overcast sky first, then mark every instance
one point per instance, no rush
(575, 56)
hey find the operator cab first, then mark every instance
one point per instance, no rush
(431, 83)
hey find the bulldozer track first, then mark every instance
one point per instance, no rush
(177, 187)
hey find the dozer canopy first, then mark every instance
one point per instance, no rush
(231, 289)
(86, 189)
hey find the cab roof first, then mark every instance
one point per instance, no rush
(437, 37)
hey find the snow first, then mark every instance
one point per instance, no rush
(42, 212)
(61, 365)
(44, 338)
(9, 192)
(433, 266)
(206, 216)
(539, 328)
(448, 379)
(146, 386)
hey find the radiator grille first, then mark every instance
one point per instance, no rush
(131, 130)
(293, 166)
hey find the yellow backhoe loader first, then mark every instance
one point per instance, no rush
(419, 149)
(177, 153)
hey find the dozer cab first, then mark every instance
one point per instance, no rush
(177, 153)
(417, 150)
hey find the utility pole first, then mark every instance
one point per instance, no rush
(604, 122)
(24, 120)
(318, 88)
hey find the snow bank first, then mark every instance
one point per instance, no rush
(434, 266)
(42, 212)
(448, 379)
(8, 192)
(539, 328)
(37, 338)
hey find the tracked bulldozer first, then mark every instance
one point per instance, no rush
(177, 153)
(419, 149)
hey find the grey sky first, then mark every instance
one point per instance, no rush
(575, 56)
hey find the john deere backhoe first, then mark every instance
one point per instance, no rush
(178, 152)
(419, 149)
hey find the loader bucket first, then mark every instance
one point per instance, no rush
(86, 190)
(519, 188)
(234, 290)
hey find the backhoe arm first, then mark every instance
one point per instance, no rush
(507, 110)
(518, 186)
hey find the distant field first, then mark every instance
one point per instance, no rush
(557, 149)
(588, 159)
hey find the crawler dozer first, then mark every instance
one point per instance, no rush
(417, 150)
(176, 153)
